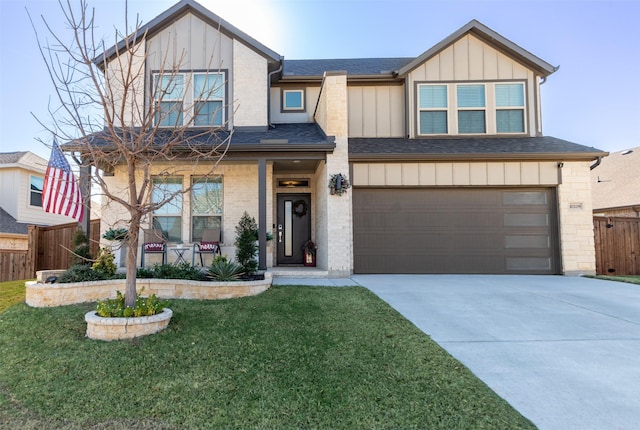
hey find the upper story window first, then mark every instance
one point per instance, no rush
(471, 108)
(293, 100)
(36, 184)
(510, 108)
(194, 98)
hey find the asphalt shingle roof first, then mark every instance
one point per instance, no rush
(353, 66)
(476, 146)
(8, 224)
(11, 157)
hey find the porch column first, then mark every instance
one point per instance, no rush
(85, 190)
(262, 214)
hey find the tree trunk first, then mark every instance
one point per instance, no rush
(132, 262)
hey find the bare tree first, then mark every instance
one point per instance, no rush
(118, 116)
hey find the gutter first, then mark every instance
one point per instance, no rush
(596, 164)
(269, 125)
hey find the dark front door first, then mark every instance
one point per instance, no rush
(293, 227)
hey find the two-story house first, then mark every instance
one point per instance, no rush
(448, 166)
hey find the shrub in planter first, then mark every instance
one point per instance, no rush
(246, 248)
(145, 306)
(81, 250)
(105, 263)
(172, 271)
(81, 273)
(223, 270)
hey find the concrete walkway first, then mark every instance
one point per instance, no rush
(564, 351)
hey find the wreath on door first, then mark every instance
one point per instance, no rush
(300, 208)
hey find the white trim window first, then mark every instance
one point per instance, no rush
(510, 108)
(471, 103)
(432, 102)
(168, 218)
(293, 100)
(193, 98)
(36, 184)
(206, 205)
(471, 108)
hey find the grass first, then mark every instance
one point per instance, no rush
(11, 292)
(629, 279)
(292, 357)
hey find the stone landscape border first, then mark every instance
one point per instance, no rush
(42, 295)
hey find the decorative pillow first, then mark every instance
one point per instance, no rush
(154, 247)
(208, 246)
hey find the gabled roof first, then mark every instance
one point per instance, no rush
(180, 9)
(23, 159)
(486, 34)
(616, 180)
(469, 148)
(11, 157)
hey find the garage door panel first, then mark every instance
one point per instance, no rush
(454, 231)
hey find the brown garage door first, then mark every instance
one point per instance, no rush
(455, 230)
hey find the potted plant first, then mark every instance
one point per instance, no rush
(309, 248)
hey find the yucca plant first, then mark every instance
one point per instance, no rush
(223, 270)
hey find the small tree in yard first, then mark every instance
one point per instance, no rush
(116, 117)
(246, 248)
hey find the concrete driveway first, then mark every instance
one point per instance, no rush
(564, 351)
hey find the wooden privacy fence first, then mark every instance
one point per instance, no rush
(48, 248)
(617, 243)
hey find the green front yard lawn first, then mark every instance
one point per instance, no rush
(292, 357)
(629, 279)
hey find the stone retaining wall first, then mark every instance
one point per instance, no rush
(41, 295)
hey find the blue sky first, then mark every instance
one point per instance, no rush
(593, 99)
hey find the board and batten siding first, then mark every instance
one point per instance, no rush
(469, 59)
(456, 174)
(376, 111)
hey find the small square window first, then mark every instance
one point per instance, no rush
(293, 100)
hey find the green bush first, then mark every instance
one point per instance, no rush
(145, 306)
(105, 263)
(81, 250)
(223, 270)
(246, 248)
(171, 271)
(81, 273)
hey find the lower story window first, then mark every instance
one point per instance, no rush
(168, 218)
(206, 205)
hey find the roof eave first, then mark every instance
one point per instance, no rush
(498, 156)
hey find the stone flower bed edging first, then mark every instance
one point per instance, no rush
(41, 295)
(108, 329)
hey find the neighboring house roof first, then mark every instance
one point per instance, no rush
(23, 159)
(485, 148)
(181, 8)
(484, 33)
(8, 224)
(616, 180)
(353, 66)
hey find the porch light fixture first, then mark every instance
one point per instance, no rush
(293, 183)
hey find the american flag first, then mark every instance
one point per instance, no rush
(61, 194)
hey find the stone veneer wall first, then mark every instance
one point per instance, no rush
(334, 212)
(41, 295)
(577, 245)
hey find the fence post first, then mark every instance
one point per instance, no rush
(31, 261)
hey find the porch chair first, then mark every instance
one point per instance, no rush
(210, 244)
(154, 243)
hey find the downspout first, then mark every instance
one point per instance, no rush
(596, 164)
(269, 125)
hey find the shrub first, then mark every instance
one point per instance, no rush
(171, 271)
(81, 273)
(246, 248)
(81, 250)
(115, 233)
(105, 263)
(145, 306)
(223, 270)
